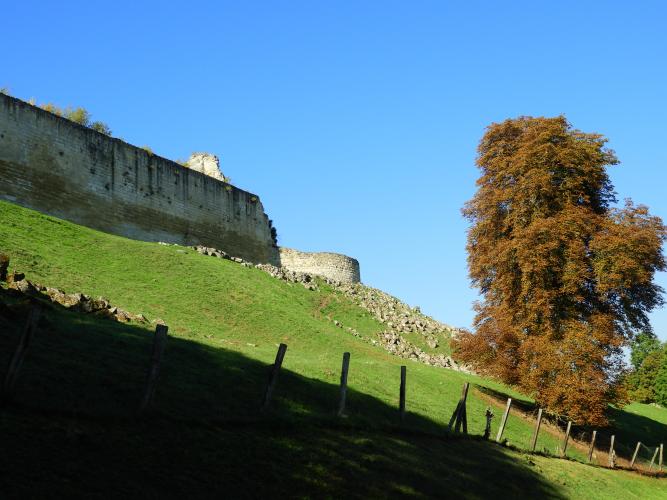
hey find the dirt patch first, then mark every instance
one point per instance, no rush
(600, 457)
(324, 302)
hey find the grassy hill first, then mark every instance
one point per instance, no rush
(70, 428)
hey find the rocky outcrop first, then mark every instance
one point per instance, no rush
(207, 164)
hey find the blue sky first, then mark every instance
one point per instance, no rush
(357, 122)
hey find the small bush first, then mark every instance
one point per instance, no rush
(101, 127)
(78, 115)
(52, 108)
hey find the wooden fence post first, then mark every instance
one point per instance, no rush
(273, 376)
(657, 449)
(537, 430)
(401, 403)
(19, 354)
(489, 416)
(634, 455)
(463, 416)
(592, 447)
(459, 416)
(504, 420)
(612, 453)
(4, 265)
(343, 383)
(567, 437)
(159, 341)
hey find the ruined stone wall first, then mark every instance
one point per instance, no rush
(58, 167)
(330, 265)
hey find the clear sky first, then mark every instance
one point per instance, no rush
(357, 122)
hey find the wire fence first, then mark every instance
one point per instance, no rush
(601, 449)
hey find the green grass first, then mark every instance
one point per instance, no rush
(83, 377)
(653, 412)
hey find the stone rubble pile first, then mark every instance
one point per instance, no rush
(398, 317)
(78, 302)
(280, 273)
(283, 274)
(395, 314)
(213, 252)
(398, 346)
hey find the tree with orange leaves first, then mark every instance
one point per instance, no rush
(566, 279)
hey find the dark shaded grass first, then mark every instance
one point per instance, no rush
(70, 428)
(628, 428)
(69, 431)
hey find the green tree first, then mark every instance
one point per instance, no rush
(642, 383)
(644, 344)
(661, 382)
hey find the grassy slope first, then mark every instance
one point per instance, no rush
(225, 322)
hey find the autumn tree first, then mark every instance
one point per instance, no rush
(565, 278)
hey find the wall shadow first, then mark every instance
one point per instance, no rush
(69, 430)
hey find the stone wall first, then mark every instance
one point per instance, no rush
(330, 265)
(58, 167)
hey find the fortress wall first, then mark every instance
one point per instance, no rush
(58, 167)
(330, 265)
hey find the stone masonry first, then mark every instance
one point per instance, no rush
(329, 265)
(60, 168)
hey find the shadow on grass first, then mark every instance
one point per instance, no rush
(635, 427)
(501, 397)
(69, 430)
(628, 428)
